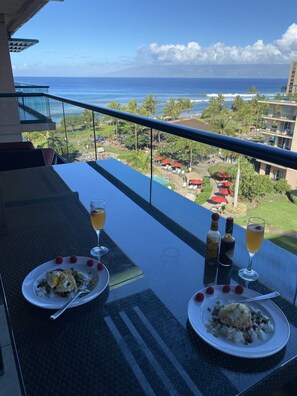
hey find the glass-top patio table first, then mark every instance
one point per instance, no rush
(135, 337)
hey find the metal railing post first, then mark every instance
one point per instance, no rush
(94, 134)
(65, 130)
(151, 160)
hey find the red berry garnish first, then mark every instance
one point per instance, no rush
(199, 297)
(100, 266)
(90, 262)
(226, 289)
(210, 290)
(73, 259)
(239, 289)
(59, 259)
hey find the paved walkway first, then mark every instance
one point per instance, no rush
(177, 180)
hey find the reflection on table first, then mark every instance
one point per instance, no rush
(135, 337)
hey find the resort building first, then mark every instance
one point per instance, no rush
(291, 88)
(279, 129)
(18, 114)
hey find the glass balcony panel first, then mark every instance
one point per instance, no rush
(129, 143)
(178, 178)
(34, 109)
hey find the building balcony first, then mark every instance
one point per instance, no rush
(272, 132)
(277, 117)
(161, 231)
(34, 111)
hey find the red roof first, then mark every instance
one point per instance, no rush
(227, 183)
(218, 199)
(177, 165)
(195, 181)
(223, 175)
(224, 191)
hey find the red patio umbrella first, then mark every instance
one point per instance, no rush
(196, 181)
(177, 165)
(224, 191)
(158, 158)
(218, 199)
(166, 161)
(227, 183)
(223, 175)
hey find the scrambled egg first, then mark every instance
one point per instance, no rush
(62, 281)
(236, 315)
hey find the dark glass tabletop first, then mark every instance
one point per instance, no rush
(135, 337)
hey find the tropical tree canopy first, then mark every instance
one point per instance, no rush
(149, 106)
(138, 160)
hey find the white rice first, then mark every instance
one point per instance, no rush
(261, 327)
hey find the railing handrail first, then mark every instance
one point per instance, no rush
(25, 85)
(256, 150)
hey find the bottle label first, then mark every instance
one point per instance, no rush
(212, 249)
(227, 252)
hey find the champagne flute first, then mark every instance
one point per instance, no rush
(254, 238)
(98, 215)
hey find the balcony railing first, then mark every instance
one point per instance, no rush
(86, 143)
(280, 157)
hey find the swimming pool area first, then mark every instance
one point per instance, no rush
(159, 179)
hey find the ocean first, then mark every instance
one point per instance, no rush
(103, 90)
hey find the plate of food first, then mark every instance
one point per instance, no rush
(252, 330)
(51, 284)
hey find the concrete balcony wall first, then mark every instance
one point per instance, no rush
(9, 117)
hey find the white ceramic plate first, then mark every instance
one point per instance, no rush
(34, 277)
(200, 312)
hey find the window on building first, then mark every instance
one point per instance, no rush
(267, 170)
(278, 174)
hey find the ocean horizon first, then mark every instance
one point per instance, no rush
(101, 91)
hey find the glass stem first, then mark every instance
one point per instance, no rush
(99, 250)
(251, 256)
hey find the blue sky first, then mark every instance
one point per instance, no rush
(94, 38)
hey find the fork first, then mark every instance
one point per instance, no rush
(61, 310)
(262, 297)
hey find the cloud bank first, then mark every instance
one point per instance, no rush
(283, 50)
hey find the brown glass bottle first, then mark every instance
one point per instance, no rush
(212, 251)
(226, 254)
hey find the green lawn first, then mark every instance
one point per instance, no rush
(278, 213)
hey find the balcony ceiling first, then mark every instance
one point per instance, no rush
(18, 12)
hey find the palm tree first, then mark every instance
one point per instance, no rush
(190, 147)
(220, 123)
(149, 106)
(237, 103)
(171, 109)
(132, 107)
(185, 104)
(116, 106)
(139, 160)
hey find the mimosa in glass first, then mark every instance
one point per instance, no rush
(254, 237)
(98, 215)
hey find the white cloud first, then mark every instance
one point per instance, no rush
(20, 67)
(283, 50)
